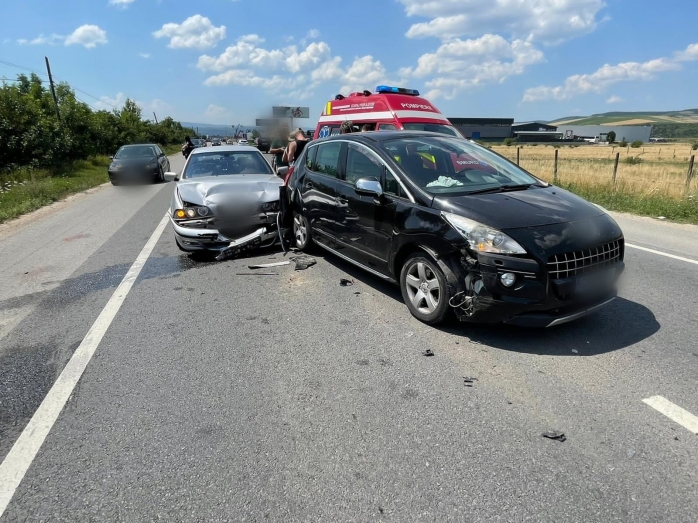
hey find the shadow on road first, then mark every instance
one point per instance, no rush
(619, 324)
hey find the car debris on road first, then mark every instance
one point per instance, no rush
(268, 265)
(554, 434)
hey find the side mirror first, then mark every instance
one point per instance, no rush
(368, 187)
(170, 176)
(282, 171)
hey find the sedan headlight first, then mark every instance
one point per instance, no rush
(483, 238)
(190, 213)
(271, 206)
(115, 167)
(152, 165)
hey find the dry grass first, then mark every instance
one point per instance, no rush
(661, 170)
(635, 121)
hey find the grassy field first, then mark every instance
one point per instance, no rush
(26, 190)
(651, 180)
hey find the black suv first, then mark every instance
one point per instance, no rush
(263, 144)
(458, 226)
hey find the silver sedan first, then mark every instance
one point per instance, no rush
(225, 201)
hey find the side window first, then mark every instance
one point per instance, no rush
(327, 159)
(392, 186)
(310, 158)
(158, 151)
(387, 127)
(362, 163)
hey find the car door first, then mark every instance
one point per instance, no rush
(363, 229)
(318, 189)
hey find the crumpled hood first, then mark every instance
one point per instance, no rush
(515, 209)
(212, 191)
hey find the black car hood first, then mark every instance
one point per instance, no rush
(528, 208)
(134, 162)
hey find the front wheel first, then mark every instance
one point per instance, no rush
(301, 232)
(424, 289)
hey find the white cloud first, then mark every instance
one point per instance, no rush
(88, 36)
(196, 32)
(144, 55)
(42, 40)
(614, 100)
(459, 65)
(121, 3)
(218, 113)
(608, 75)
(107, 103)
(544, 20)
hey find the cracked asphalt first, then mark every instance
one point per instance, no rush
(218, 397)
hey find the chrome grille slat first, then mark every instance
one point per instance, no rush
(570, 264)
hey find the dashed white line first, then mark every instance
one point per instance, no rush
(674, 412)
(25, 449)
(660, 253)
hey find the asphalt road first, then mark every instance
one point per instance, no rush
(218, 397)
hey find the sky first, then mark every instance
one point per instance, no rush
(230, 61)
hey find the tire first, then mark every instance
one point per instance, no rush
(302, 236)
(424, 289)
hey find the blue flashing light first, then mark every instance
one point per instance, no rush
(396, 90)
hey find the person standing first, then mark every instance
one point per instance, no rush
(295, 148)
(188, 147)
(278, 148)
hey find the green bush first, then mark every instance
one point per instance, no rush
(508, 142)
(611, 136)
(694, 146)
(633, 160)
(623, 143)
(636, 144)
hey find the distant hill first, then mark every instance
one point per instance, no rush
(687, 116)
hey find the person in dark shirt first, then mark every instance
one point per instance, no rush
(295, 148)
(188, 147)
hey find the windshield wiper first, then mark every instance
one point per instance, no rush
(504, 188)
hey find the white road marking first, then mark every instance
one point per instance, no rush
(25, 449)
(660, 253)
(674, 412)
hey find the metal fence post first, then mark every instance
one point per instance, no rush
(555, 171)
(690, 172)
(518, 155)
(615, 169)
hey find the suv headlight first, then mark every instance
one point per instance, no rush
(483, 238)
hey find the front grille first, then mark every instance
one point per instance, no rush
(571, 264)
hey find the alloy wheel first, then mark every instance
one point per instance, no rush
(300, 230)
(423, 288)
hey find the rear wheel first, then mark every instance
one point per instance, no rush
(301, 232)
(424, 289)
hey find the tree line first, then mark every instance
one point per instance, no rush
(36, 135)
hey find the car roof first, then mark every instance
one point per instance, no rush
(224, 148)
(138, 145)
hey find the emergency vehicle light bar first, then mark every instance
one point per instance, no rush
(398, 90)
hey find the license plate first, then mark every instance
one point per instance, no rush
(595, 282)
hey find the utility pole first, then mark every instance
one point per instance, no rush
(53, 89)
(156, 118)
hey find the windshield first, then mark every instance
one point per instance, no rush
(135, 151)
(432, 128)
(442, 165)
(226, 164)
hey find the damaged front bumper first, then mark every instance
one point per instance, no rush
(191, 238)
(535, 300)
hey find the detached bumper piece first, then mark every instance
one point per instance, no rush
(246, 243)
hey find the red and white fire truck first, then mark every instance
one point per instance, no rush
(388, 109)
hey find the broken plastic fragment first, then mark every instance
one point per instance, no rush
(267, 265)
(428, 352)
(557, 436)
(346, 283)
(303, 262)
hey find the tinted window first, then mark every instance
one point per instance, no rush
(327, 159)
(135, 151)
(310, 157)
(392, 186)
(226, 164)
(387, 127)
(443, 165)
(432, 128)
(362, 163)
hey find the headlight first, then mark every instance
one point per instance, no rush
(189, 213)
(115, 167)
(152, 165)
(271, 206)
(483, 238)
